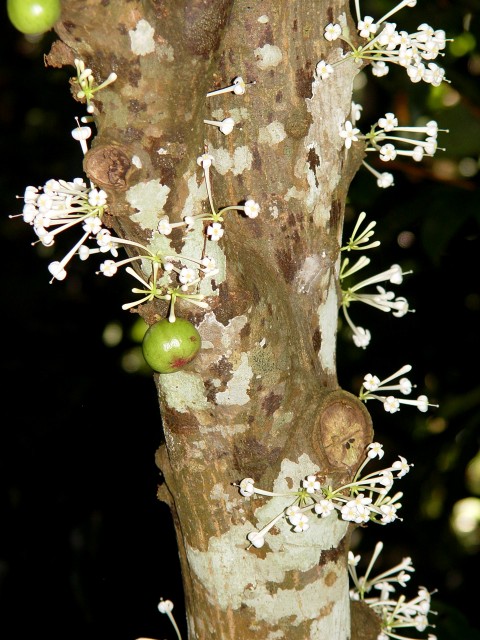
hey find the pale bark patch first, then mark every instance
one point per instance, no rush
(148, 198)
(141, 38)
(268, 56)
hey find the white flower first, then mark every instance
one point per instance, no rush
(187, 275)
(375, 450)
(353, 560)
(389, 122)
(323, 69)
(356, 111)
(349, 134)
(367, 27)
(247, 487)
(225, 126)
(208, 265)
(164, 227)
(293, 514)
(388, 152)
(391, 404)
(385, 180)
(379, 69)
(361, 337)
(324, 508)
(165, 606)
(256, 539)
(311, 484)
(402, 466)
(57, 271)
(205, 161)
(215, 231)
(251, 208)
(108, 268)
(302, 524)
(97, 197)
(388, 513)
(371, 382)
(238, 87)
(332, 32)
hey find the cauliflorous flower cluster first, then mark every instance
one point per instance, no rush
(86, 82)
(374, 389)
(383, 44)
(382, 299)
(387, 130)
(214, 230)
(395, 613)
(365, 499)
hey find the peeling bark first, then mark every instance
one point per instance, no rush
(262, 399)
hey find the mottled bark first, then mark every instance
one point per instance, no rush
(261, 399)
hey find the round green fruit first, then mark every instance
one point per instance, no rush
(33, 16)
(169, 346)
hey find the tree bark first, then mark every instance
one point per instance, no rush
(261, 400)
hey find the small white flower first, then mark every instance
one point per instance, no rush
(165, 606)
(323, 69)
(215, 231)
(402, 466)
(187, 275)
(225, 126)
(164, 227)
(208, 265)
(311, 484)
(388, 152)
(293, 514)
(391, 404)
(332, 32)
(256, 539)
(97, 197)
(238, 87)
(361, 337)
(349, 134)
(353, 560)
(57, 271)
(380, 68)
(205, 161)
(389, 122)
(375, 450)
(371, 382)
(247, 487)
(251, 208)
(385, 180)
(108, 268)
(302, 524)
(324, 508)
(367, 27)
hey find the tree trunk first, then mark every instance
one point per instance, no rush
(261, 400)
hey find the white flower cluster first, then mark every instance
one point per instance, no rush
(214, 231)
(383, 300)
(362, 500)
(388, 139)
(374, 389)
(60, 205)
(386, 45)
(395, 613)
(86, 82)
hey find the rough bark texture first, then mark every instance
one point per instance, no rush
(261, 400)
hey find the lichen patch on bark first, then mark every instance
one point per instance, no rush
(148, 198)
(141, 38)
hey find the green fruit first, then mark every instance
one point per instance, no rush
(169, 346)
(33, 16)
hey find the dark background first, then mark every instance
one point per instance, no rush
(86, 550)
